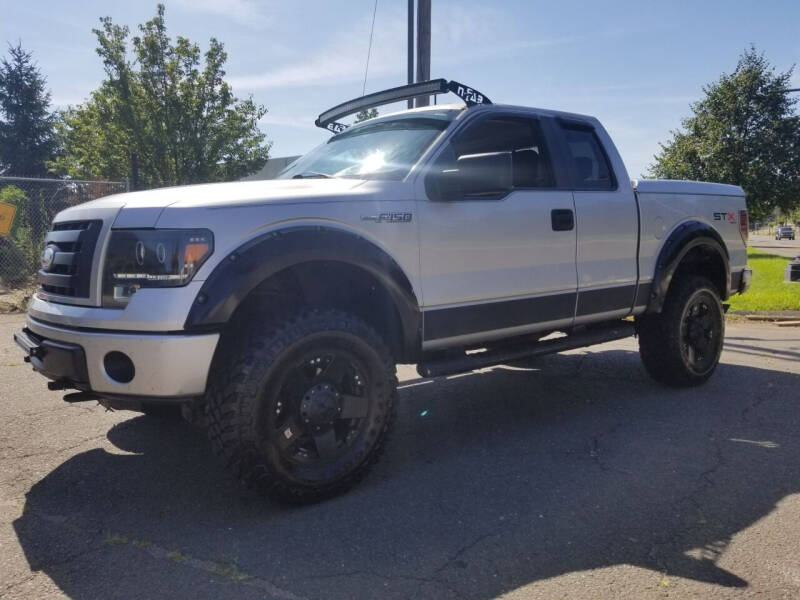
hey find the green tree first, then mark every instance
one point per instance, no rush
(366, 115)
(169, 105)
(744, 131)
(27, 137)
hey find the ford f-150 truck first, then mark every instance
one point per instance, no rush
(452, 237)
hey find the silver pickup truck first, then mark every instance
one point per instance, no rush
(453, 237)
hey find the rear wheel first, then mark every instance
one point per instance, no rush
(681, 346)
(303, 410)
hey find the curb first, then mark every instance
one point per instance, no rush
(781, 318)
(767, 315)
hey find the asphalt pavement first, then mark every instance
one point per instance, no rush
(577, 477)
(785, 248)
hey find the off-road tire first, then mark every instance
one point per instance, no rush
(244, 391)
(663, 336)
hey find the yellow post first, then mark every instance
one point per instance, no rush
(7, 212)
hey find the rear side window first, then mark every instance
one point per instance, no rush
(520, 137)
(588, 163)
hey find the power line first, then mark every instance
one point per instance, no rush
(369, 49)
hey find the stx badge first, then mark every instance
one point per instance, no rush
(725, 216)
(394, 217)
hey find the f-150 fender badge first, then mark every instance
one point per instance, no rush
(393, 217)
(725, 216)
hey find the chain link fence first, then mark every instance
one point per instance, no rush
(35, 203)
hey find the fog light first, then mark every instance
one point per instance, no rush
(123, 293)
(119, 367)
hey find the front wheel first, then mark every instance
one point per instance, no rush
(303, 410)
(681, 346)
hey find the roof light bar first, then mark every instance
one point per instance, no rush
(328, 119)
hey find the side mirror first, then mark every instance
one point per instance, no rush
(445, 185)
(474, 175)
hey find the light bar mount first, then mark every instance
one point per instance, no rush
(329, 119)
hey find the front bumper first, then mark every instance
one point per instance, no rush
(166, 365)
(55, 360)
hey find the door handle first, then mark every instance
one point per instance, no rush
(563, 219)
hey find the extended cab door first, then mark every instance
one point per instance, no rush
(494, 263)
(607, 221)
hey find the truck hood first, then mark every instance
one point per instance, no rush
(142, 209)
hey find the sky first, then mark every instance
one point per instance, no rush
(635, 65)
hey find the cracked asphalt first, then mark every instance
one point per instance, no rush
(575, 477)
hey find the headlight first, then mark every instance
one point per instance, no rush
(138, 258)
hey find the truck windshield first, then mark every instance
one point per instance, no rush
(383, 149)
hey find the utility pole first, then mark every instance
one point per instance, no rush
(410, 47)
(423, 46)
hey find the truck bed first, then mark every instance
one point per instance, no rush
(695, 188)
(664, 204)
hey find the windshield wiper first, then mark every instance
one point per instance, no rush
(311, 175)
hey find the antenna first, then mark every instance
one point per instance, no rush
(369, 49)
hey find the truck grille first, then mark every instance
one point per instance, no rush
(70, 271)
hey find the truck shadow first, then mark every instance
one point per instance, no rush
(492, 481)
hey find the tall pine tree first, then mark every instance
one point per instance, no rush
(27, 135)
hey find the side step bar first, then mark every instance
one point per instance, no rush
(578, 339)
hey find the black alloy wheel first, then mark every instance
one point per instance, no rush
(700, 332)
(321, 408)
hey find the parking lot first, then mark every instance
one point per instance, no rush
(577, 477)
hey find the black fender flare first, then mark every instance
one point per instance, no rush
(258, 259)
(683, 239)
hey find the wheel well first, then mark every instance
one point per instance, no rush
(323, 284)
(705, 261)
